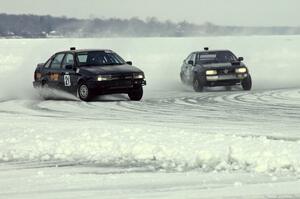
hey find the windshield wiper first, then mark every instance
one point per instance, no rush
(113, 64)
(108, 64)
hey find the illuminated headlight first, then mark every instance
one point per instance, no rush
(104, 78)
(138, 76)
(241, 70)
(211, 72)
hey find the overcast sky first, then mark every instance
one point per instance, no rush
(221, 12)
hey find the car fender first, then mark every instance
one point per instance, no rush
(198, 72)
(84, 79)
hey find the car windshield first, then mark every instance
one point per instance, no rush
(99, 58)
(219, 57)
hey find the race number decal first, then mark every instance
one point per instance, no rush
(67, 80)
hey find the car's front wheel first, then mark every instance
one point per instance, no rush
(198, 84)
(136, 93)
(84, 93)
(247, 83)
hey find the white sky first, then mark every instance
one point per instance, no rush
(222, 12)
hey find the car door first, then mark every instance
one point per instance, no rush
(184, 67)
(190, 67)
(54, 71)
(68, 77)
(43, 71)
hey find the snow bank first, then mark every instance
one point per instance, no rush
(157, 149)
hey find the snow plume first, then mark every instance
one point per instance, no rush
(18, 60)
(16, 75)
(273, 60)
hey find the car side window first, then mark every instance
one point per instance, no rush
(188, 58)
(82, 58)
(193, 57)
(68, 60)
(48, 63)
(56, 62)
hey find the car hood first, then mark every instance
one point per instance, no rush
(111, 69)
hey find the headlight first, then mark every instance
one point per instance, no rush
(241, 70)
(104, 78)
(138, 76)
(211, 72)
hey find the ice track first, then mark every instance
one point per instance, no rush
(173, 131)
(269, 110)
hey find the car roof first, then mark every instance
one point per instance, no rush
(211, 51)
(84, 50)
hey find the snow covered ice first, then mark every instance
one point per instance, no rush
(175, 143)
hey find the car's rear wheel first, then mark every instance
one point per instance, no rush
(198, 84)
(84, 93)
(45, 85)
(136, 93)
(247, 83)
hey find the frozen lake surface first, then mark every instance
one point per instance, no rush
(175, 143)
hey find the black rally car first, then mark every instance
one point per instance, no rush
(210, 68)
(88, 73)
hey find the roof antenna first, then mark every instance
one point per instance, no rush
(72, 48)
(206, 48)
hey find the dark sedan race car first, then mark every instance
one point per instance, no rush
(215, 68)
(88, 73)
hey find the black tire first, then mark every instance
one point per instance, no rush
(84, 93)
(247, 83)
(198, 84)
(136, 94)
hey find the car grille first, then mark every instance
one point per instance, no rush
(121, 84)
(121, 80)
(226, 71)
(122, 77)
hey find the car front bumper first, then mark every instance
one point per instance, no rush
(213, 78)
(115, 86)
(225, 80)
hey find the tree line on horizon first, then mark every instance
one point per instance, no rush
(35, 26)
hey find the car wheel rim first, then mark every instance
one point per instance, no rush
(83, 91)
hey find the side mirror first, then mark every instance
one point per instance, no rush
(129, 63)
(69, 67)
(191, 62)
(241, 58)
